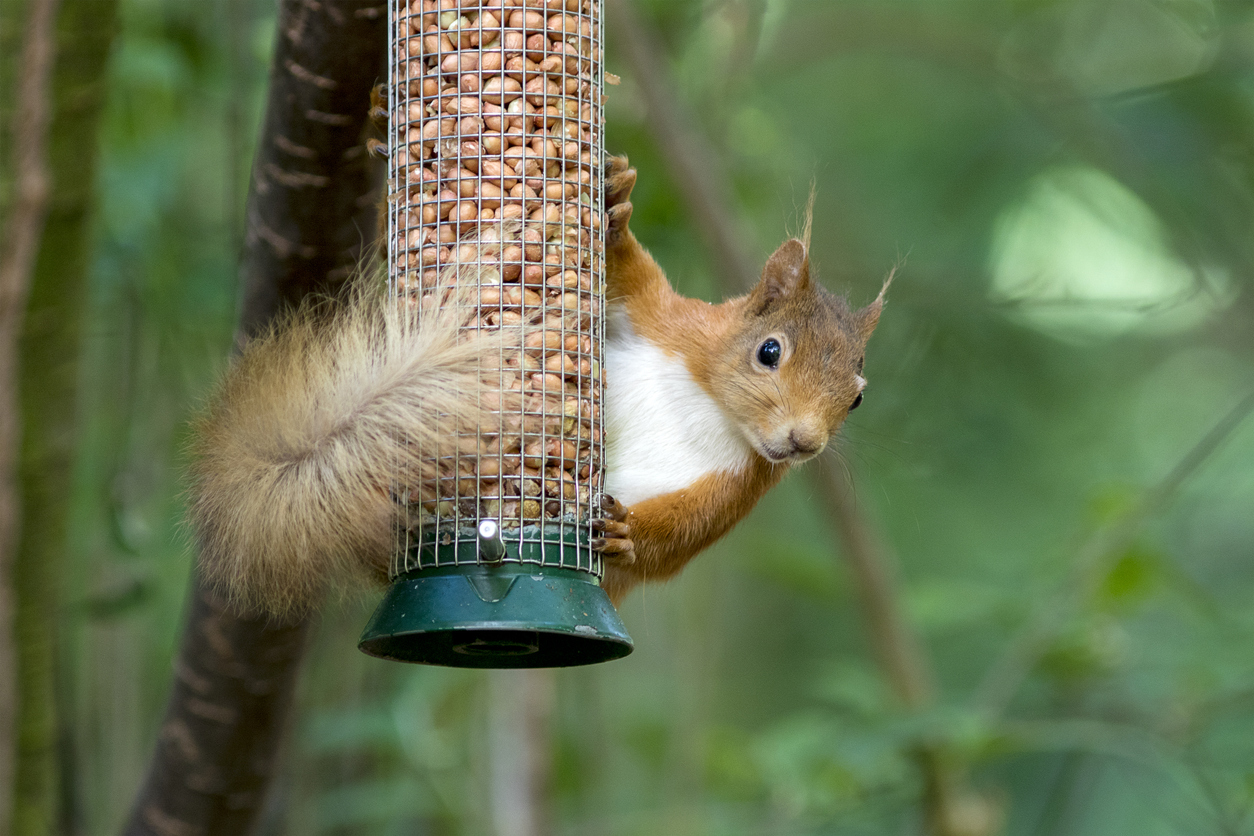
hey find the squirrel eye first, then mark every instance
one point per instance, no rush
(769, 352)
(857, 402)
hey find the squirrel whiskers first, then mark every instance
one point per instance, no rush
(296, 458)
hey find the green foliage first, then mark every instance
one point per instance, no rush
(1066, 188)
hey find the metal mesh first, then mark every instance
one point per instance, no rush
(495, 180)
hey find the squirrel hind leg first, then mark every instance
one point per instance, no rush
(620, 179)
(616, 228)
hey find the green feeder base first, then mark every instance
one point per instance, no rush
(496, 616)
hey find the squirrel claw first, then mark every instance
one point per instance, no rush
(611, 528)
(614, 509)
(616, 545)
(616, 229)
(379, 104)
(620, 179)
(621, 552)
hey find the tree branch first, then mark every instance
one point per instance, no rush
(895, 645)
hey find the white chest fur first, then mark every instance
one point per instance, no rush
(663, 432)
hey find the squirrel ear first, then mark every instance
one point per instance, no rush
(869, 316)
(786, 271)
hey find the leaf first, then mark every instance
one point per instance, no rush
(1133, 578)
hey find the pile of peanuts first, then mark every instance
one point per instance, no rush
(496, 145)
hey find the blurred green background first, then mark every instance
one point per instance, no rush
(1066, 188)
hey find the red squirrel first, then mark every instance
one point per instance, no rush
(707, 406)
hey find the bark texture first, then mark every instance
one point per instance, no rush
(310, 210)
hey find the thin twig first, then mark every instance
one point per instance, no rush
(896, 647)
(32, 115)
(1093, 558)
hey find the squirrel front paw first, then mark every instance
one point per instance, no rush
(379, 106)
(379, 116)
(620, 178)
(615, 544)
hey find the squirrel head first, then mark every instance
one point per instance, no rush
(791, 365)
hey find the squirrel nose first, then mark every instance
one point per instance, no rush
(803, 445)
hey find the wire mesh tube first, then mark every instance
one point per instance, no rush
(495, 146)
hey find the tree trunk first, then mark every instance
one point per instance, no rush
(520, 740)
(309, 211)
(48, 383)
(311, 206)
(18, 253)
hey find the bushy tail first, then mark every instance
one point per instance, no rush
(296, 457)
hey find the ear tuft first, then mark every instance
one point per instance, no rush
(869, 316)
(808, 223)
(787, 271)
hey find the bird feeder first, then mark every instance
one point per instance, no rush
(495, 148)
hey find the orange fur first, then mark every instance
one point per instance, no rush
(669, 530)
(787, 413)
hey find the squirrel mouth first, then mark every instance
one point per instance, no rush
(800, 456)
(795, 456)
(791, 453)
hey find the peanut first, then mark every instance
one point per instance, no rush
(497, 124)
